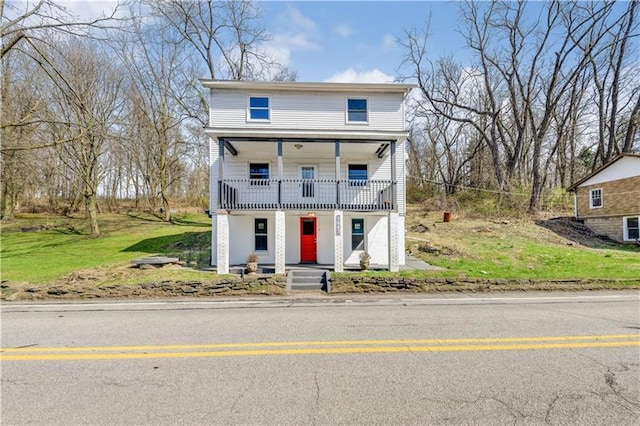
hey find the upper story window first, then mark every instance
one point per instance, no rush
(357, 110)
(595, 198)
(358, 174)
(259, 173)
(259, 108)
(631, 228)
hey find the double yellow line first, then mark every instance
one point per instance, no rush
(315, 348)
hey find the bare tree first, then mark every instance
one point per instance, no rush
(24, 20)
(527, 65)
(84, 108)
(160, 79)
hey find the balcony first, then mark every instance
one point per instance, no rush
(306, 194)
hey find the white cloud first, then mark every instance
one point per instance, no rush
(298, 20)
(91, 9)
(343, 30)
(388, 42)
(352, 76)
(299, 34)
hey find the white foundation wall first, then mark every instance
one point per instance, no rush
(376, 239)
(402, 260)
(241, 238)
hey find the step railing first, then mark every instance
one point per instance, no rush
(306, 194)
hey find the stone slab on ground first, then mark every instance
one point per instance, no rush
(155, 260)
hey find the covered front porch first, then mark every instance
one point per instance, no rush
(280, 238)
(306, 174)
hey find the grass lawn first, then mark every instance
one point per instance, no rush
(64, 244)
(465, 247)
(519, 249)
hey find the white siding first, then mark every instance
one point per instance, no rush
(625, 167)
(241, 238)
(306, 110)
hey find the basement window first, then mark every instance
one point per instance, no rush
(631, 228)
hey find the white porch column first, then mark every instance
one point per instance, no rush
(394, 239)
(222, 241)
(338, 253)
(280, 241)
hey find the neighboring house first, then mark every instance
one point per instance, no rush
(307, 173)
(608, 200)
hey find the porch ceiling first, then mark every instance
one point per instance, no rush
(309, 149)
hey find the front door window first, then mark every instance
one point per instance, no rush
(308, 249)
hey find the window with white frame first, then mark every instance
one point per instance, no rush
(259, 108)
(260, 234)
(595, 198)
(357, 174)
(259, 173)
(357, 234)
(357, 111)
(631, 228)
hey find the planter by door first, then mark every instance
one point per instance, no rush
(308, 240)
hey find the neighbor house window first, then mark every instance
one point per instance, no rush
(260, 234)
(357, 110)
(259, 108)
(595, 198)
(358, 174)
(631, 228)
(259, 173)
(357, 234)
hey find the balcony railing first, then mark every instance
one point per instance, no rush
(306, 194)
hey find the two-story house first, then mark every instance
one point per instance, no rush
(608, 200)
(307, 173)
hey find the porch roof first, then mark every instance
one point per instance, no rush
(295, 135)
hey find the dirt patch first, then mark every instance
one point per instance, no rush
(419, 227)
(576, 232)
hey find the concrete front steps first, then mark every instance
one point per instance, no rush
(308, 279)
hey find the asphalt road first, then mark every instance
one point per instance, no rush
(506, 359)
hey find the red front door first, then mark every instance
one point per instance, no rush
(308, 248)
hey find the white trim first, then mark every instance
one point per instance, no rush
(346, 110)
(258, 120)
(331, 134)
(625, 227)
(591, 191)
(317, 86)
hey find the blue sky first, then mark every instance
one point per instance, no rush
(355, 40)
(342, 40)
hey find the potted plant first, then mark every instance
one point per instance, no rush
(364, 260)
(252, 263)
